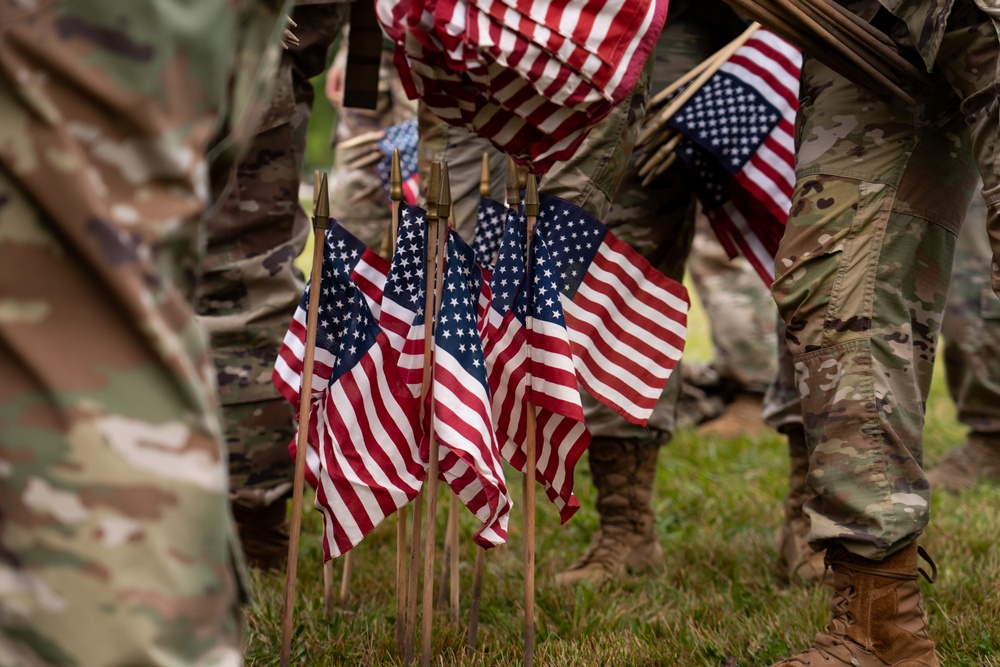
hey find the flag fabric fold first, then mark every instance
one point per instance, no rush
(368, 271)
(403, 137)
(364, 422)
(531, 76)
(561, 434)
(469, 457)
(627, 322)
(739, 144)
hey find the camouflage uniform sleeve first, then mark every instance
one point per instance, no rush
(117, 545)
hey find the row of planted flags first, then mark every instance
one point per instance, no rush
(582, 308)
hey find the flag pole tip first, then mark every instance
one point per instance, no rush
(323, 199)
(396, 178)
(531, 196)
(444, 200)
(433, 189)
(484, 177)
(512, 190)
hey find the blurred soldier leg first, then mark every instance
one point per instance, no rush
(358, 199)
(971, 332)
(658, 221)
(796, 561)
(250, 289)
(866, 261)
(116, 542)
(463, 151)
(741, 318)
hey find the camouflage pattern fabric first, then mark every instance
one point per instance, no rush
(463, 151)
(656, 220)
(864, 269)
(116, 541)
(971, 329)
(357, 197)
(250, 286)
(740, 311)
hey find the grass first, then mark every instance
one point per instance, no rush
(715, 603)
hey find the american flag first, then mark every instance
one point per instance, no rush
(402, 136)
(561, 434)
(469, 457)
(489, 230)
(368, 272)
(739, 143)
(403, 298)
(627, 321)
(530, 76)
(365, 419)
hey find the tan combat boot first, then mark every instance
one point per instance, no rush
(623, 472)
(977, 459)
(877, 617)
(741, 418)
(797, 563)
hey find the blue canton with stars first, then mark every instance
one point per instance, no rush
(404, 137)
(508, 273)
(727, 118)
(572, 237)
(345, 327)
(489, 230)
(456, 330)
(347, 246)
(545, 304)
(405, 282)
(710, 179)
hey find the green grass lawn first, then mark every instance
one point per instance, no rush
(715, 603)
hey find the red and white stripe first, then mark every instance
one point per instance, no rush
(369, 458)
(469, 457)
(627, 325)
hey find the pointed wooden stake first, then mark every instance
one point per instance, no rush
(328, 589)
(528, 491)
(485, 182)
(321, 216)
(477, 596)
(396, 197)
(345, 577)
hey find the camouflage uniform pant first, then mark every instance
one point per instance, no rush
(463, 151)
(971, 329)
(116, 542)
(250, 286)
(864, 269)
(657, 220)
(358, 199)
(740, 311)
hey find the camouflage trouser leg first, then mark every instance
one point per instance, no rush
(116, 543)
(740, 312)
(463, 151)
(863, 273)
(657, 220)
(250, 287)
(971, 329)
(358, 199)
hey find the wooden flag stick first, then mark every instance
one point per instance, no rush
(321, 216)
(444, 583)
(396, 197)
(453, 582)
(718, 60)
(477, 596)
(328, 588)
(662, 153)
(440, 227)
(485, 182)
(345, 577)
(430, 484)
(528, 481)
